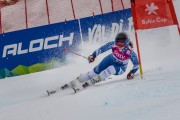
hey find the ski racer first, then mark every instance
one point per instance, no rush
(113, 64)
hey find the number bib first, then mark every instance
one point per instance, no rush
(119, 55)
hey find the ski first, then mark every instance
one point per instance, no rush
(65, 89)
(69, 90)
(73, 90)
(81, 87)
(50, 92)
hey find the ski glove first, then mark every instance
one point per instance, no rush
(130, 75)
(91, 58)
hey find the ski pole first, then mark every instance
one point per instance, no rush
(75, 53)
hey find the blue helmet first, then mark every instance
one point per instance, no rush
(122, 37)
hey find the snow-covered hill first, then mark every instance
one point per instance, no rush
(156, 97)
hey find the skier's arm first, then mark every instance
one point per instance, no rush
(103, 49)
(135, 62)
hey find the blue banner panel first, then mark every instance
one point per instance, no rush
(105, 27)
(35, 49)
(38, 45)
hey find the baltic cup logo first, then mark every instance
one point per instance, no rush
(151, 9)
(152, 16)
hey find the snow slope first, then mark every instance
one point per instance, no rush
(156, 97)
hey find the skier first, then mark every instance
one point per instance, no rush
(113, 64)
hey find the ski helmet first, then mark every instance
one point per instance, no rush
(123, 38)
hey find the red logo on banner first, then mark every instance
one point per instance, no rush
(153, 14)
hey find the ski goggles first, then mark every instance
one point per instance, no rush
(120, 44)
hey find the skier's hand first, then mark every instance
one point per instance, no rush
(131, 44)
(130, 75)
(91, 58)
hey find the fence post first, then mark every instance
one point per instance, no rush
(112, 5)
(122, 4)
(101, 6)
(47, 8)
(73, 9)
(1, 30)
(0, 21)
(25, 3)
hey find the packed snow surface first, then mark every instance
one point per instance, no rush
(155, 97)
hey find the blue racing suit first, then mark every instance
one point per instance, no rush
(116, 62)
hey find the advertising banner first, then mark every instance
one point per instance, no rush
(35, 49)
(153, 14)
(42, 48)
(103, 28)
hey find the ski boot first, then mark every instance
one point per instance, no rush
(64, 86)
(91, 82)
